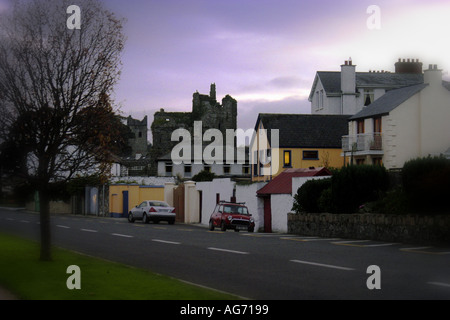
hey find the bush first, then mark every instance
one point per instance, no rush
(426, 183)
(353, 186)
(309, 194)
(204, 176)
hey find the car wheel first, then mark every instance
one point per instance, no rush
(145, 218)
(223, 227)
(130, 218)
(211, 225)
(251, 229)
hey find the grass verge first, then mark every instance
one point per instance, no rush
(23, 274)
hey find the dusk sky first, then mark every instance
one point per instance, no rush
(264, 53)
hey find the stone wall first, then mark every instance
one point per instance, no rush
(383, 227)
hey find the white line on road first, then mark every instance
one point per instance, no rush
(322, 265)
(24, 221)
(121, 235)
(380, 245)
(89, 230)
(64, 227)
(226, 250)
(165, 241)
(350, 241)
(441, 284)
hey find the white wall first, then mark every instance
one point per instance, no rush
(209, 191)
(247, 194)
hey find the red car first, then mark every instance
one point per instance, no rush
(229, 215)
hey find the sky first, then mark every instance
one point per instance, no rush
(264, 53)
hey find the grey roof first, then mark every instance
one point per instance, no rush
(331, 80)
(306, 130)
(388, 102)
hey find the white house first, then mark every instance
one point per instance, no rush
(346, 92)
(403, 124)
(237, 168)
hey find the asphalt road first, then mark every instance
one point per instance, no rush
(253, 265)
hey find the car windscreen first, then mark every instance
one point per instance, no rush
(236, 209)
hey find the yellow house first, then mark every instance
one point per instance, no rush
(123, 197)
(284, 141)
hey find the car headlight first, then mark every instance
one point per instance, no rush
(230, 218)
(251, 220)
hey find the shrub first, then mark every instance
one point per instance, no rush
(204, 176)
(309, 194)
(353, 186)
(426, 182)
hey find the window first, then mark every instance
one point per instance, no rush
(226, 169)
(168, 168)
(245, 169)
(368, 97)
(287, 161)
(360, 126)
(377, 161)
(311, 155)
(377, 124)
(321, 99)
(187, 170)
(207, 168)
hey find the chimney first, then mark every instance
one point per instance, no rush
(433, 76)
(348, 87)
(408, 66)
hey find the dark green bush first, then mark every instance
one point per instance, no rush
(353, 186)
(204, 176)
(308, 195)
(426, 183)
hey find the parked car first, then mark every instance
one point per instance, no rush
(230, 215)
(152, 210)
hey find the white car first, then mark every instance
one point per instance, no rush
(152, 210)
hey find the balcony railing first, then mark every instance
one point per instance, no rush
(362, 142)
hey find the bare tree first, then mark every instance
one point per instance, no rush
(54, 88)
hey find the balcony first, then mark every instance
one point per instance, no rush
(366, 143)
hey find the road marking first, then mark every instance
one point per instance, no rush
(160, 228)
(441, 284)
(10, 219)
(121, 235)
(309, 239)
(226, 250)
(423, 250)
(165, 241)
(89, 230)
(63, 227)
(322, 265)
(350, 243)
(267, 235)
(24, 221)
(380, 245)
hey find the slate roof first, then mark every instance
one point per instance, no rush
(282, 184)
(331, 80)
(388, 102)
(306, 130)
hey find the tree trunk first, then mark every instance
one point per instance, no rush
(46, 250)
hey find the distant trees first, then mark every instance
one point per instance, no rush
(56, 118)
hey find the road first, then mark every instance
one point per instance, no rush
(253, 265)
